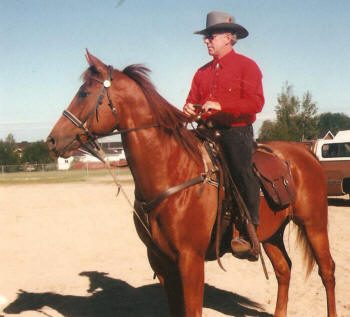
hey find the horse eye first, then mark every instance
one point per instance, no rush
(82, 94)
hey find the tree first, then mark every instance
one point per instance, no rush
(295, 120)
(267, 131)
(36, 152)
(286, 113)
(333, 122)
(8, 154)
(307, 119)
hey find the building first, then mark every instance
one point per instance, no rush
(114, 154)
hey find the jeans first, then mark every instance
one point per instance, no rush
(238, 147)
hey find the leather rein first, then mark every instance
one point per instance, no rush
(88, 142)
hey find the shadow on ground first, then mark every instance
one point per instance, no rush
(341, 202)
(113, 297)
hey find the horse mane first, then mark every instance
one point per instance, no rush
(170, 118)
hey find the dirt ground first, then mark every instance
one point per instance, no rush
(71, 250)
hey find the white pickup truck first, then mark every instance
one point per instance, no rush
(334, 156)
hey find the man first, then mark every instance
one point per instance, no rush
(229, 90)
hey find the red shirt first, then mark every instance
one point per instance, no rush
(235, 82)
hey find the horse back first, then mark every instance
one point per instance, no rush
(310, 187)
(305, 167)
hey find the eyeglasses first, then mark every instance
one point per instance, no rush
(210, 37)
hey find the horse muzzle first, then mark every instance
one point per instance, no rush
(63, 149)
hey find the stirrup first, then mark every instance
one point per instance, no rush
(242, 249)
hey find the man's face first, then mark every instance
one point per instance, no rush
(218, 43)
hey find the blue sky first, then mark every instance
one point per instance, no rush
(42, 47)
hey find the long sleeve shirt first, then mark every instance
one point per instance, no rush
(235, 81)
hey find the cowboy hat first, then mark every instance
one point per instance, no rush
(222, 21)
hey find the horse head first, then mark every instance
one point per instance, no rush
(25, 301)
(97, 108)
(110, 99)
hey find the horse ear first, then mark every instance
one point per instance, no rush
(94, 61)
(21, 291)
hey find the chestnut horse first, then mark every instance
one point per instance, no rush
(161, 154)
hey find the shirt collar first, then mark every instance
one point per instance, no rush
(223, 61)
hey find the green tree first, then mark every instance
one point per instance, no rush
(306, 119)
(333, 122)
(8, 154)
(286, 113)
(295, 119)
(36, 152)
(267, 131)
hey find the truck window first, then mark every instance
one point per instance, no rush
(336, 150)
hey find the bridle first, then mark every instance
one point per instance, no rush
(87, 139)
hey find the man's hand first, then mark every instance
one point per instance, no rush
(189, 109)
(211, 105)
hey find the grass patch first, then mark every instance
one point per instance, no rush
(42, 177)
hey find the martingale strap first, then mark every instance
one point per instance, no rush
(149, 206)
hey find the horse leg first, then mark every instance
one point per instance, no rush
(156, 266)
(275, 250)
(189, 285)
(168, 276)
(185, 286)
(318, 238)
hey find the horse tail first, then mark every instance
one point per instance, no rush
(304, 243)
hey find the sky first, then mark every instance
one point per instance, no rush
(43, 42)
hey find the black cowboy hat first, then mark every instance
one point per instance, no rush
(222, 21)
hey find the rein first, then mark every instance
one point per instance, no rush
(124, 131)
(90, 145)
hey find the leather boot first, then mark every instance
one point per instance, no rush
(242, 248)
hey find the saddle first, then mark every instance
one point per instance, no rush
(274, 176)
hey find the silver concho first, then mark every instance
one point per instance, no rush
(107, 83)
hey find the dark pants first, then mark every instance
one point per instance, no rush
(238, 146)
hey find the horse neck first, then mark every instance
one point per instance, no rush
(37, 300)
(64, 304)
(47, 299)
(147, 157)
(155, 158)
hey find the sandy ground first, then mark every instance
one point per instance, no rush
(71, 250)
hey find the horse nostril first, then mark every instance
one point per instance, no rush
(50, 141)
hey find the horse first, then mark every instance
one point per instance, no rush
(163, 153)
